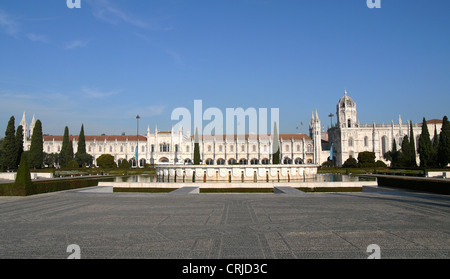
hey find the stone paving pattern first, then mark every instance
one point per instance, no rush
(211, 226)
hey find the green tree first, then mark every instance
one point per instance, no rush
(350, 163)
(1, 154)
(425, 146)
(83, 158)
(366, 159)
(23, 177)
(124, 164)
(435, 162)
(405, 158)
(36, 154)
(412, 142)
(275, 146)
(66, 153)
(196, 148)
(443, 153)
(9, 159)
(51, 159)
(106, 161)
(19, 143)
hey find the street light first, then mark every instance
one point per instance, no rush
(137, 137)
(331, 118)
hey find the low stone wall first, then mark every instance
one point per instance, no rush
(34, 175)
(235, 173)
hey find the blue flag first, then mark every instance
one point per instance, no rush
(136, 155)
(331, 152)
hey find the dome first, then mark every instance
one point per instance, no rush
(346, 101)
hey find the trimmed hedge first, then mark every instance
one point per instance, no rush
(48, 186)
(416, 184)
(329, 189)
(143, 190)
(236, 190)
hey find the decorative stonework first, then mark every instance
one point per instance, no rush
(235, 173)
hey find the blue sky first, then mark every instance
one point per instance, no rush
(112, 59)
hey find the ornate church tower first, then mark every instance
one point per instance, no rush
(32, 124)
(346, 112)
(24, 125)
(316, 135)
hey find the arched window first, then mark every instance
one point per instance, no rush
(231, 161)
(384, 145)
(209, 161)
(287, 161)
(298, 147)
(254, 148)
(243, 161)
(220, 148)
(350, 141)
(254, 161)
(298, 161)
(265, 161)
(220, 161)
(309, 148)
(243, 148)
(121, 149)
(231, 148)
(110, 149)
(187, 148)
(366, 141)
(349, 123)
(209, 148)
(287, 148)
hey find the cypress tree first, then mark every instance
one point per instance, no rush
(395, 155)
(275, 146)
(405, 157)
(23, 177)
(9, 160)
(63, 154)
(36, 154)
(196, 148)
(443, 154)
(19, 143)
(435, 162)
(412, 159)
(425, 146)
(81, 141)
(82, 158)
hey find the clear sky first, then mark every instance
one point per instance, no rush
(110, 60)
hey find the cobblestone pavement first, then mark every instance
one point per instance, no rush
(210, 226)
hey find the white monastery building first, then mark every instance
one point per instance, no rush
(346, 139)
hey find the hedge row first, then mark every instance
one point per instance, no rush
(416, 184)
(48, 186)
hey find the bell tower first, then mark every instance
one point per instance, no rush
(316, 135)
(346, 112)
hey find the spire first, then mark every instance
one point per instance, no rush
(24, 120)
(317, 116)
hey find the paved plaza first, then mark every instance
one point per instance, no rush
(215, 226)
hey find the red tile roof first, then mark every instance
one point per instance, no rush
(98, 138)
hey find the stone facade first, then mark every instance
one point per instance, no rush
(349, 137)
(174, 147)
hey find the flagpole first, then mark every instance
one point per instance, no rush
(137, 137)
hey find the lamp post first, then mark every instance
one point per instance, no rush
(331, 118)
(137, 137)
